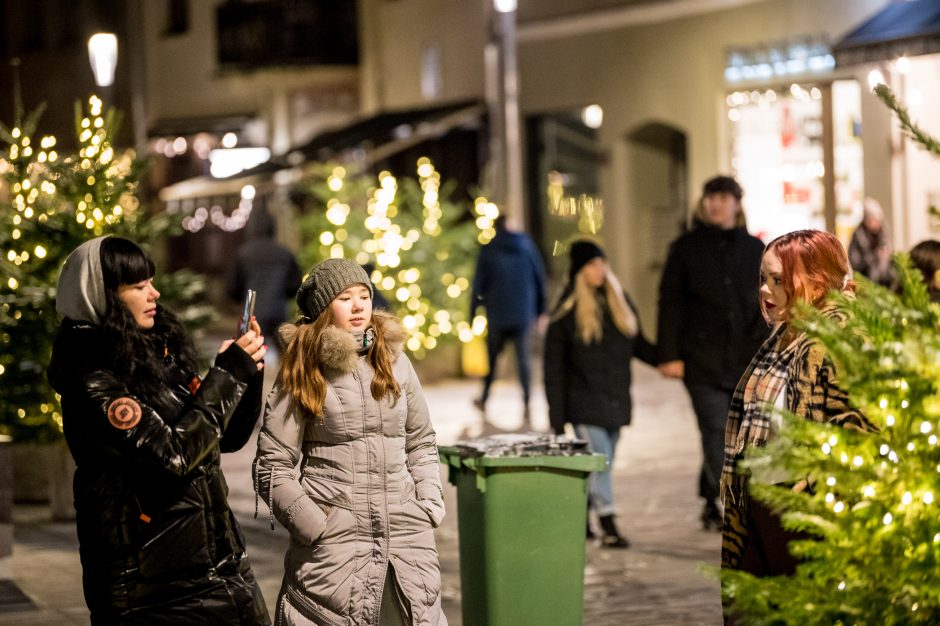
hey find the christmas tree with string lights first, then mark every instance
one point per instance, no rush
(871, 555)
(50, 202)
(422, 243)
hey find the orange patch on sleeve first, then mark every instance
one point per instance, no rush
(124, 413)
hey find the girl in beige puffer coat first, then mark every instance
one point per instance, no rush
(348, 408)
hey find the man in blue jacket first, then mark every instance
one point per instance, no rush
(510, 284)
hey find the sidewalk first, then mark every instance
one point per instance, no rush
(656, 582)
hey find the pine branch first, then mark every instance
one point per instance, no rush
(910, 128)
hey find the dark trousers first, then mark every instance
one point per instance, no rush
(711, 405)
(496, 339)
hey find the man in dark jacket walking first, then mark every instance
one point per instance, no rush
(710, 323)
(267, 267)
(510, 284)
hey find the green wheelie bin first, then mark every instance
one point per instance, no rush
(521, 522)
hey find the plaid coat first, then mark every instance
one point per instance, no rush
(801, 370)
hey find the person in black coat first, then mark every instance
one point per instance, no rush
(157, 540)
(710, 324)
(593, 335)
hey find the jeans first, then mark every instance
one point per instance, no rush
(601, 488)
(495, 342)
(711, 405)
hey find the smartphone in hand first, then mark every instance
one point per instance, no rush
(248, 310)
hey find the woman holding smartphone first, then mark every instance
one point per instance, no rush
(157, 539)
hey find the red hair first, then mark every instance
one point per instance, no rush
(813, 263)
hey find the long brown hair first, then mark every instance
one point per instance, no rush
(301, 369)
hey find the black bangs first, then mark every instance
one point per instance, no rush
(124, 263)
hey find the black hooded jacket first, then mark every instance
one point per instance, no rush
(158, 541)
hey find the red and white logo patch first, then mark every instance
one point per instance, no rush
(124, 413)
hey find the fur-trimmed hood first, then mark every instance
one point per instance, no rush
(338, 349)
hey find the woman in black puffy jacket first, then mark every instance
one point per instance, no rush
(592, 338)
(158, 541)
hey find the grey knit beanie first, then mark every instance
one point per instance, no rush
(326, 280)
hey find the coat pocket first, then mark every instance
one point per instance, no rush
(174, 540)
(334, 499)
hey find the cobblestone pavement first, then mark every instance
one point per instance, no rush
(656, 582)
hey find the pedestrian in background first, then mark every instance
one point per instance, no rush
(157, 540)
(790, 372)
(593, 335)
(709, 320)
(267, 267)
(926, 257)
(869, 250)
(361, 510)
(509, 283)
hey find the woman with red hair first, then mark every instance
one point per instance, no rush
(791, 372)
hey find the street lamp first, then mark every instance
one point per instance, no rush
(103, 53)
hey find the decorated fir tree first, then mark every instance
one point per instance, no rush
(871, 555)
(422, 243)
(50, 202)
(872, 552)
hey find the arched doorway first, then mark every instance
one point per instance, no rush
(657, 191)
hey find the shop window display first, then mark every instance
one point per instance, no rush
(777, 155)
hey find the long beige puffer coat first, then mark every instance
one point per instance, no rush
(367, 494)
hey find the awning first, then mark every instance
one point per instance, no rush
(375, 138)
(185, 126)
(385, 134)
(900, 29)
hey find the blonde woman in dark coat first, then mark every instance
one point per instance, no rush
(362, 507)
(593, 335)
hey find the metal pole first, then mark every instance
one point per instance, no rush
(511, 112)
(829, 162)
(502, 97)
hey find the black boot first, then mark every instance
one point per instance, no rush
(711, 516)
(612, 537)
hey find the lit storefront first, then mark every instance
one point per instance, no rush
(795, 138)
(900, 46)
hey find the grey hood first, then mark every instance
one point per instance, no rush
(80, 294)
